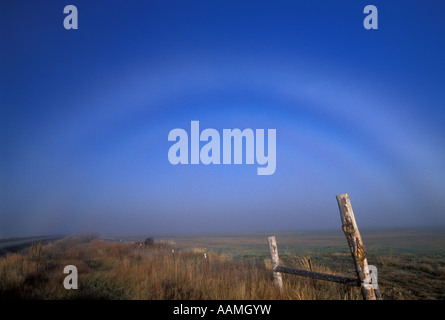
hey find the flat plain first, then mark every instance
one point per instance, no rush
(410, 263)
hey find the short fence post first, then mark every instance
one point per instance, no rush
(207, 267)
(355, 243)
(275, 262)
(314, 284)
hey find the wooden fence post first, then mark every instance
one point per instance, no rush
(275, 262)
(314, 284)
(207, 267)
(355, 243)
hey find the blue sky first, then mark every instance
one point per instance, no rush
(85, 114)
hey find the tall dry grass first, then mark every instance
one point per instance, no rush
(124, 271)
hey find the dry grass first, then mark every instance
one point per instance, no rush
(124, 271)
(411, 263)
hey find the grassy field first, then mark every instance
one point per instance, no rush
(411, 265)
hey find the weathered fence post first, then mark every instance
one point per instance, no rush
(355, 243)
(275, 262)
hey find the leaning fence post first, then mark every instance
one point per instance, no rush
(275, 262)
(355, 243)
